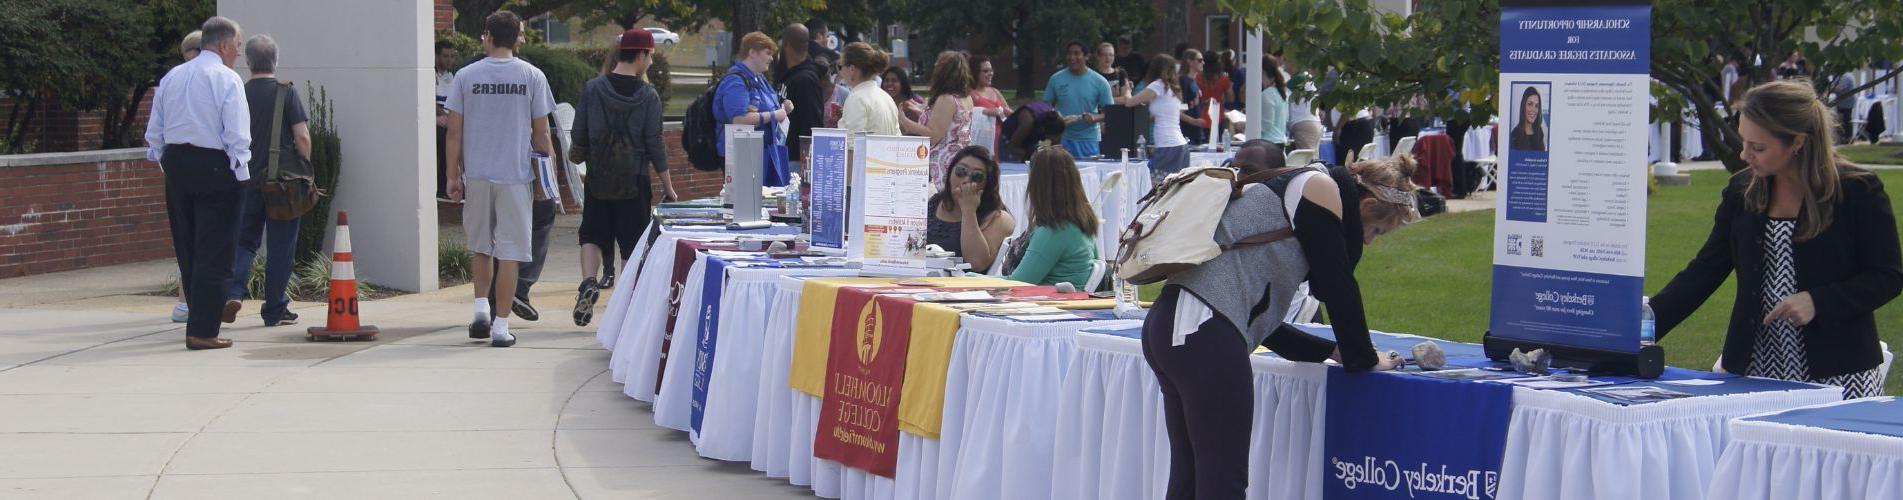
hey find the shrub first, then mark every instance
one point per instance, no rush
(452, 262)
(326, 160)
(465, 46)
(661, 73)
(564, 68)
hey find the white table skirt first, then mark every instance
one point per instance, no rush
(1770, 460)
(1112, 443)
(733, 394)
(1001, 406)
(634, 325)
(1563, 446)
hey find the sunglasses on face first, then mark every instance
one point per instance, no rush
(977, 176)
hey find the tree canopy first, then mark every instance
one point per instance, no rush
(1448, 50)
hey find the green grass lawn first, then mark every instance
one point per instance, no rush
(1874, 154)
(1433, 278)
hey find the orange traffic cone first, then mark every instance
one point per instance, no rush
(342, 323)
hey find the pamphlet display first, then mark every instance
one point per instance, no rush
(827, 210)
(1569, 228)
(889, 204)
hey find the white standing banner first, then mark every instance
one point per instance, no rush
(889, 204)
(1569, 229)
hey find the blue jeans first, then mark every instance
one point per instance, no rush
(278, 237)
(1081, 149)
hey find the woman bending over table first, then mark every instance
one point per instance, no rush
(1202, 329)
(1813, 242)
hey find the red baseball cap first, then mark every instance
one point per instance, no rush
(637, 39)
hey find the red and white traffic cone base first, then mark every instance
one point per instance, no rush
(342, 321)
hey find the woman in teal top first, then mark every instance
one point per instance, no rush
(1275, 104)
(1062, 242)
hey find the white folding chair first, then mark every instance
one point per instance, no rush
(1300, 157)
(1099, 269)
(997, 261)
(1405, 146)
(1304, 308)
(564, 122)
(1369, 152)
(1490, 173)
(1888, 357)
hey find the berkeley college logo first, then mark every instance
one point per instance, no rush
(1421, 481)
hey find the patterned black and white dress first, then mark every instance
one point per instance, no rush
(1779, 350)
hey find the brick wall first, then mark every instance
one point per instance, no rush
(53, 129)
(445, 14)
(73, 210)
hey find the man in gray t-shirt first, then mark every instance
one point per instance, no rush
(498, 112)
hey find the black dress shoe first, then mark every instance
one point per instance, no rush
(478, 329)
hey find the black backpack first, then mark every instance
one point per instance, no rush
(617, 169)
(699, 129)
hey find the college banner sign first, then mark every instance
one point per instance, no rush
(710, 290)
(1398, 436)
(1569, 227)
(685, 252)
(865, 370)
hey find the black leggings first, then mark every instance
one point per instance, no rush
(1208, 402)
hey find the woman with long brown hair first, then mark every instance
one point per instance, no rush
(948, 123)
(1813, 242)
(1164, 94)
(1062, 242)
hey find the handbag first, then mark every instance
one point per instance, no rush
(287, 195)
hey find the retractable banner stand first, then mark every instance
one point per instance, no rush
(1569, 230)
(828, 207)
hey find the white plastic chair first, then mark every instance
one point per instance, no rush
(997, 261)
(1369, 152)
(564, 122)
(1405, 146)
(1300, 157)
(1099, 269)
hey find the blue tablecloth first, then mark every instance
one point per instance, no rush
(1879, 416)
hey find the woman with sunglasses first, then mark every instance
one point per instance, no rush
(1062, 243)
(968, 217)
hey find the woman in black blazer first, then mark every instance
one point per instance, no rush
(1813, 242)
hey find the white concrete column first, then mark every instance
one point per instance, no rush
(1252, 90)
(373, 59)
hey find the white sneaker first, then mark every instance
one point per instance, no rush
(181, 312)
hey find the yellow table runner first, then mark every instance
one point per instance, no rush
(813, 336)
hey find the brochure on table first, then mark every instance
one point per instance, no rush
(827, 208)
(746, 148)
(1569, 228)
(887, 230)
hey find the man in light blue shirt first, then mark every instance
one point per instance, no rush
(200, 133)
(1077, 93)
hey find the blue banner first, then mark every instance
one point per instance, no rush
(1602, 39)
(704, 341)
(828, 207)
(1400, 436)
(1600, 311)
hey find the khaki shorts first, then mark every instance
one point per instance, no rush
(497, 219)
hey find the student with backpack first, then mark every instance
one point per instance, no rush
(618, 132)
(743, 97)
(1209, 318)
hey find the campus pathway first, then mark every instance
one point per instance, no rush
(101, 400)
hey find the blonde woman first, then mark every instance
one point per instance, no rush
(1813, 242)
(1199, 334)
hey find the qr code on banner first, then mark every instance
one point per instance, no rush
(1539, 246)
(1513, 244)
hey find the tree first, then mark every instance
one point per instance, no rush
(677, 15)
(1448, 51)
(470, 13)
(1028, 29)
(69, 55)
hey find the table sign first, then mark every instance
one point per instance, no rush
(889, 205)
(827, 209)
(1569, 232)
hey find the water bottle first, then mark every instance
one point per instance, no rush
(1126, 306)
(1648, 323)
(790, 198)
(1141, 150)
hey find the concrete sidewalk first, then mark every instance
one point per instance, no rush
(101, 400)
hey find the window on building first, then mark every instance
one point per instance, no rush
(1219, 33)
